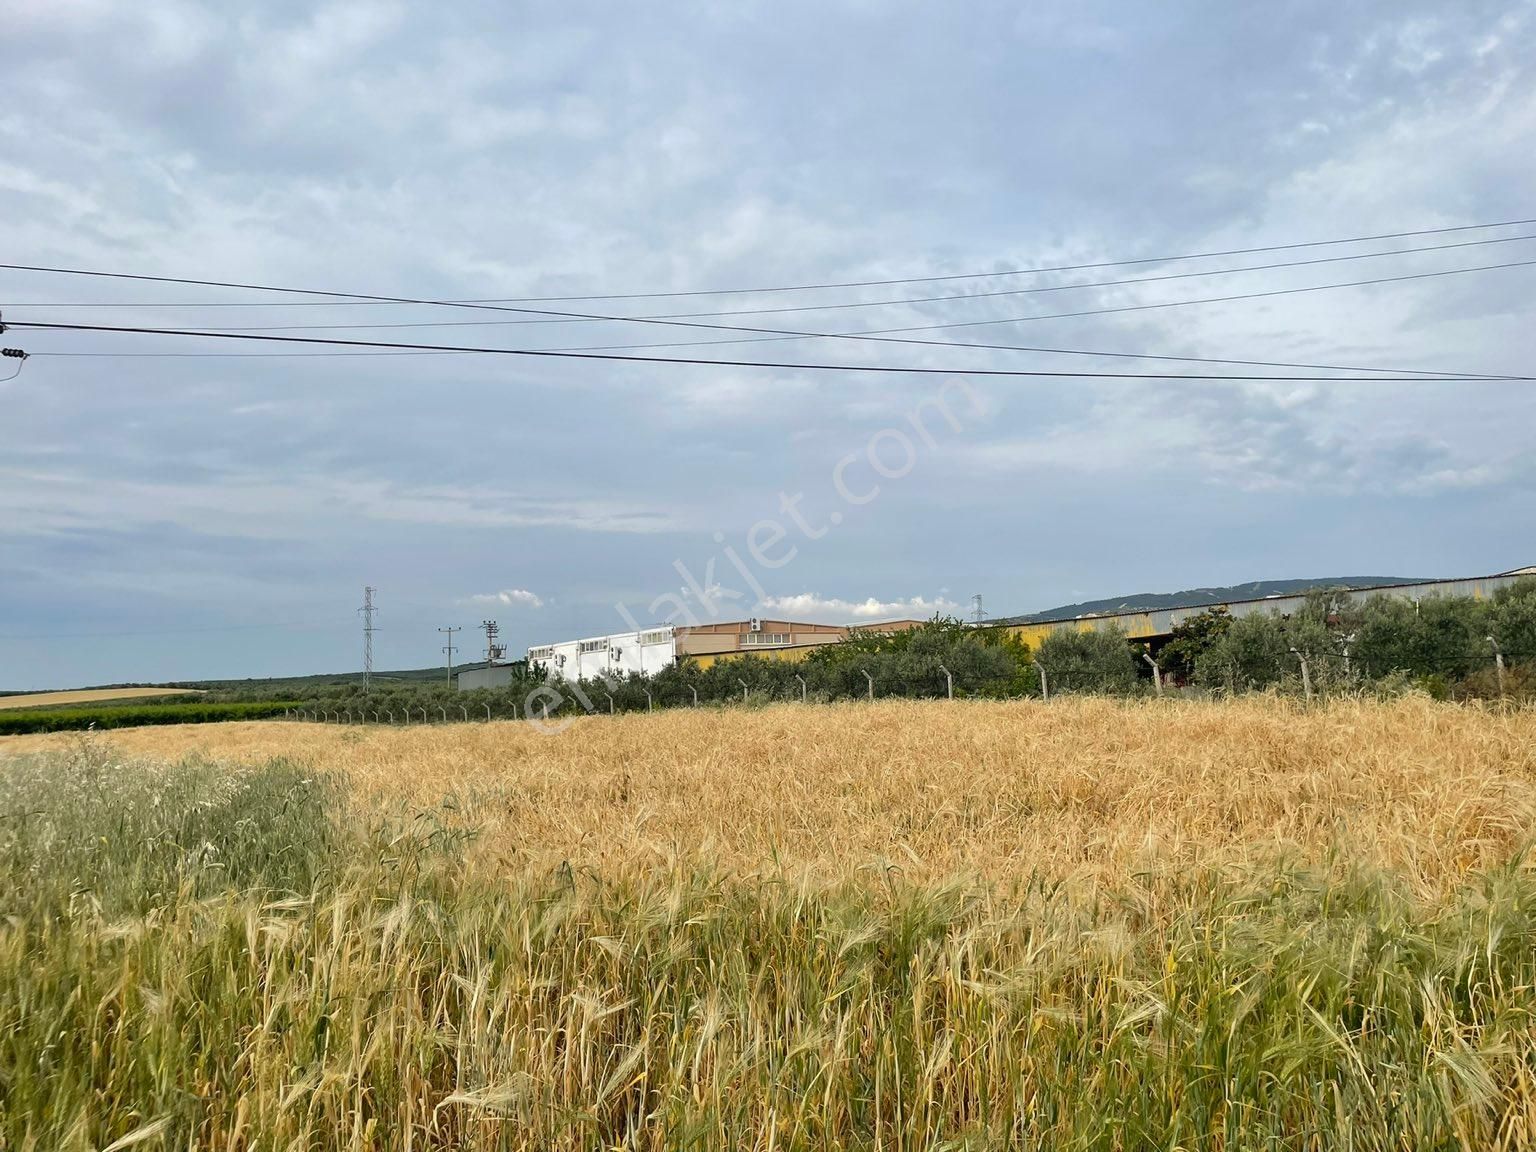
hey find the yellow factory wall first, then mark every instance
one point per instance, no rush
(706, 659)
(1134, 627)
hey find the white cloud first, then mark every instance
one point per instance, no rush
(815, 607)
(246, 504)
(515, 597)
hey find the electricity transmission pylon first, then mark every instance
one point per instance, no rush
(367, 610)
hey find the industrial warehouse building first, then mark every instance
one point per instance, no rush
(484, 676)
(1158, 624)
(650, 650)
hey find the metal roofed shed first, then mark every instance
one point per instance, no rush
(1153, 624)
(486, 676)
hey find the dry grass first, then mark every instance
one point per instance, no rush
(1083, 788)
(90, 696)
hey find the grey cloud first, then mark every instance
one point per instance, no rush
(469, 151)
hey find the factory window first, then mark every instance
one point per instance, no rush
(543, 653)
(593, 645)
(659, 636)
(764, 638)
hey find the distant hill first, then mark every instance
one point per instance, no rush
(1153, 601)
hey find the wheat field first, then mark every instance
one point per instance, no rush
(1085, 925)
(1083, 787)
(90, 696)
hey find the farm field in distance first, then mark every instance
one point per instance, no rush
(1079, 787)
(1088, 924)
(89, 696)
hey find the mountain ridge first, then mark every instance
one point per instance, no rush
(1195, 597)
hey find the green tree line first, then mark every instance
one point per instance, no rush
(1383, 644)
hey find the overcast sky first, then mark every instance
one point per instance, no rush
(183, 517)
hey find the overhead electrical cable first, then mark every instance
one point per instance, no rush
(807, 366)
(224, 355)
(577, 318)
(879, 334)
(764, 335)
(877, 283)
(1438, 375)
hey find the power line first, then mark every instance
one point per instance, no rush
(939, 343)
(220, 355)
(876, 335)
(577, 318)
(844, 283)
(778, 334)
(808, 366)
(887, 335)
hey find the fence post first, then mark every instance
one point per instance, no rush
(487, 713)
(464, 710)
(610, 702)
(1498, 664)
(743, 684)
(1045, 688)
(443, 712)
(695, 692)
(802, 687)
(871, 680)
(949, 682)
(1306, 675)
(647, 700)
(1157, 673)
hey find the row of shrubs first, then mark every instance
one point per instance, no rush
(26, 720)
(1384, 645)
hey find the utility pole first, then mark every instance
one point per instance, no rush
(367, 610)
(493, 650)
(978, 613)
(449, 649)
